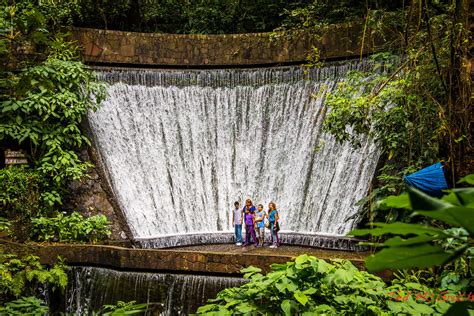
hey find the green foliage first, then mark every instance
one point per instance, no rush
(416, 108)
(438, 244)
(22, 196)
(389, 107)
(26, 27)
(45, 112)
(5, 226)
(309, 286)
(70, 228)
(24, 306)
(42, 105)
(421, 246)
(19, 277)
(179, 16)
(122, 308)
(20, 190)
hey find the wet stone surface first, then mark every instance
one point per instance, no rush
(284, 250)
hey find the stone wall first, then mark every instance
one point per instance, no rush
(91, 196)
(130, 48)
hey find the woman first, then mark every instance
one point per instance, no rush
(249, 206)
(250, 227)
(273, 220)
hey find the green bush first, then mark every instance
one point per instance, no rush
(23, 196)
(310, 286)
(445, 239)
(20, 191)
(25, 306)
(70, 228)
(122, 308)
(43, 103)
(5, 226)
(20, 277)
(180, 16)
(448, 236)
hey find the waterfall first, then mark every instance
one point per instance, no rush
(90, 288)
(180, 146)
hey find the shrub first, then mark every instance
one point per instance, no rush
(43, 102)
(122, 308)
(446, 239)
(20, 191)
(23, 196)
(70, 228)
(311, 286)
(25, 306)
(21, 277)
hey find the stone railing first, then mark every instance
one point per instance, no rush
(179, 50)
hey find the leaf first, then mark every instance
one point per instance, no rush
(340, 277)
(321, 266)
(398, 241)
(249, 271)
(469, 179)
(397, 228)
(286, 307)
(422, 201)
(245, 308)
(455, 216)
(310, 291)
(301, 259)
(285, 284)
(419, 256)
(420, 308)
(464, 195)
(451, 198)
(460, 308)
(301, 297)
(393, 201)
(279, 266)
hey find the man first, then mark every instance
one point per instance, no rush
(237, 217)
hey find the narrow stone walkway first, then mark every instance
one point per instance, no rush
(284, 250)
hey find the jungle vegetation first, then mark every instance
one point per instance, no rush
(417, 109)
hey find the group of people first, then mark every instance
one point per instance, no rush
(256, 220)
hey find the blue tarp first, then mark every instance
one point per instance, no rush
(430, 180)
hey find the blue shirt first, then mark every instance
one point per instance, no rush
(252, 209)
(261, 224)
(271, 216)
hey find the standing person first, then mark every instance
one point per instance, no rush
(237, 217)
(250, 227)
(274, 226)
(249, 206)
(260, 220)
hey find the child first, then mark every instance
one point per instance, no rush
(237, 217)
(249, 227)
(260, 220)
(273, 219)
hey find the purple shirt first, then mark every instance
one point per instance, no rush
(249, 218)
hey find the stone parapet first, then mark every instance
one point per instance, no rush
(205, 259)
(220, 259)
(194, 50)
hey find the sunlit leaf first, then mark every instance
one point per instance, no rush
(422, 256)
(397, 228)
(455, 216)
(422, 201)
